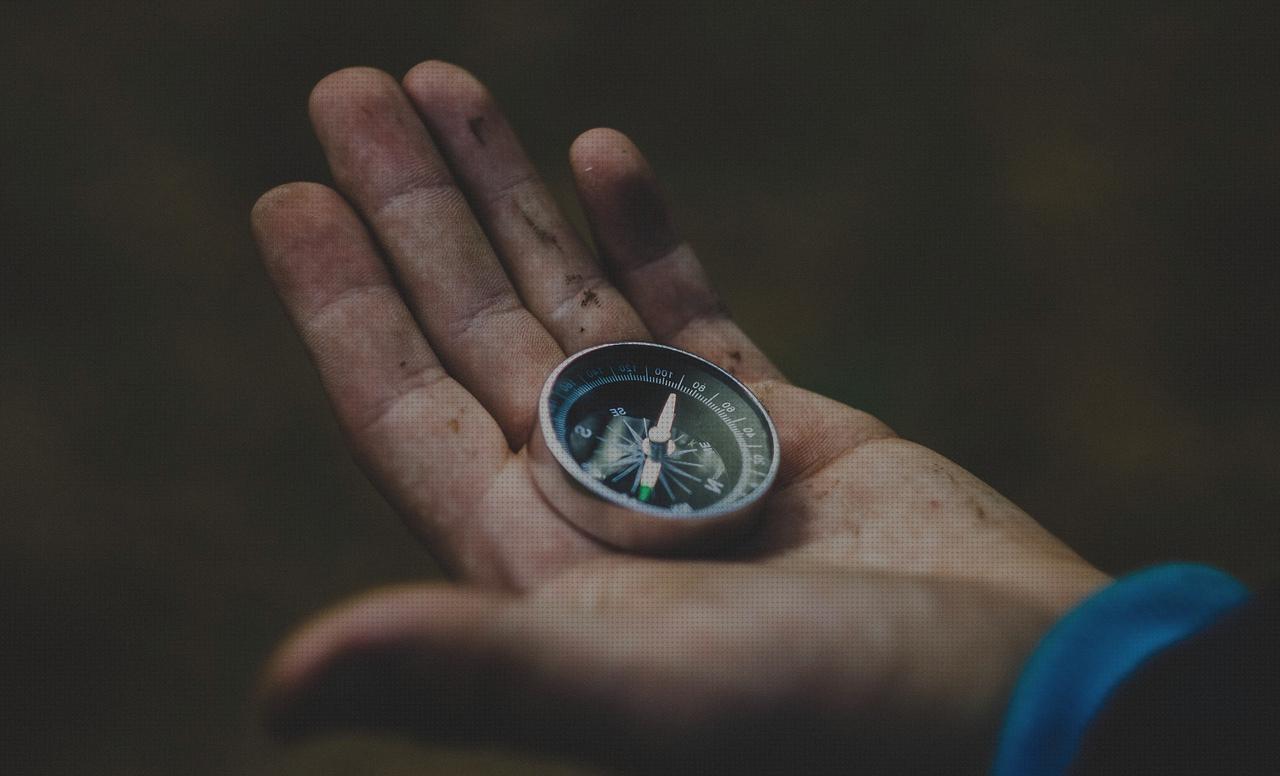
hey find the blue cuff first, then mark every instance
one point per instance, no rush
(1092, 649)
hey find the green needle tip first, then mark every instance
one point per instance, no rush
(644, 492)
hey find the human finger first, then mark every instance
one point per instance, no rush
(556, 275)
(688, 668)
(383, 159)
(655, 268)
(452, 664)
(427, 444)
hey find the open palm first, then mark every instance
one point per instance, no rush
(877, 615)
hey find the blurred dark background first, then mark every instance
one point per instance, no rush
(1039, 238)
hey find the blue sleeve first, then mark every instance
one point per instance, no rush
(1091, 651)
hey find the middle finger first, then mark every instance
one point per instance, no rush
(383, 159)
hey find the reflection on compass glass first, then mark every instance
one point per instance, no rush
(654, 426)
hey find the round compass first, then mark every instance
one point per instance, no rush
(648, 447)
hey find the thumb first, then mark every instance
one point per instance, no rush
(449, 664)
(418, 658)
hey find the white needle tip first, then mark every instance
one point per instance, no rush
(661, 431)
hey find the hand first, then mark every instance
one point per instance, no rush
(876, 618)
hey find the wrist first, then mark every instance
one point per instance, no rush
(951, 695)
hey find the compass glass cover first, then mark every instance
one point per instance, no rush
(658, 428)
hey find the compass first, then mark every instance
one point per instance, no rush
(649, 447)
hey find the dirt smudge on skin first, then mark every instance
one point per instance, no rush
(454, 425)
(590, 297)
(571, 279)
(735, 356)
(544, 236)
(403, 363)
(476, 125)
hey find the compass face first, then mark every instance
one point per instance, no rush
(659, 430)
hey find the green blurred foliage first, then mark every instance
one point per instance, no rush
(1040, 238)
